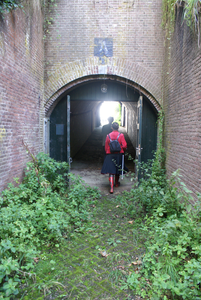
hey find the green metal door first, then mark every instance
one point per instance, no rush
(139, 129)
(149, 132)
(146, 133)
(69, 160)
(139, 134)
(60, 131)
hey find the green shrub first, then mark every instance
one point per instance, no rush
(47, 205)
(171, 266)
(7, 5)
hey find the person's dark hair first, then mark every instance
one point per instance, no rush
(110, 120)
(115, 126)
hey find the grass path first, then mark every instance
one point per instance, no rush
(92, 265)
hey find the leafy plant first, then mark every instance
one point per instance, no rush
(49, 6)
(192, 16)
(168, 17)
(113, 242)
(192, 10)
(171, 265)
(48, 206)
(7, 5)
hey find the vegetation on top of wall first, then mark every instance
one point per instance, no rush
(192, 14)
(8, 5)
(49, 6)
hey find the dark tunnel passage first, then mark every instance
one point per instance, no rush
(138, 123)
(91, 153)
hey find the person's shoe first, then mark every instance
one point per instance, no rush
(117, 183)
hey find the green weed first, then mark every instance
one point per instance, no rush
(113, 242)
(191, 13)
(171, 265)
(43, 210)
(7, 5)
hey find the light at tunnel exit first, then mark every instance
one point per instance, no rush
(109, 109)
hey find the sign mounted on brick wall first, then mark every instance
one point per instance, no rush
(103, 48)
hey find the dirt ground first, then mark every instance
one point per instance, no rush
(88, 163)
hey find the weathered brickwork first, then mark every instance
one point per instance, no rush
(133, 26)
(182, 103)
(34, 76)
(21, 88)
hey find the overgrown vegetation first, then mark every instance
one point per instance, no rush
(51, 207)
(48, 206)
(7, 5)
(49, 6)
(192, 12)
(171, 266)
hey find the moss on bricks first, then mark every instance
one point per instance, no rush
(92, 265)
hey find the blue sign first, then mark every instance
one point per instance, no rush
(103, 48)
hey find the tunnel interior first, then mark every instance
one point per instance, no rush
(85, 103)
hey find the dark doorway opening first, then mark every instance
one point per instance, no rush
(85, 129)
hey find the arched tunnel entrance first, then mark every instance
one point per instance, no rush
(138, 123)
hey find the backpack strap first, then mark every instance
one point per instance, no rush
(115, 139)
(118, 136)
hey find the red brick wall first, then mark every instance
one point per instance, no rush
(182, 103)
(134, 27)
(21, 88)
(138, 56)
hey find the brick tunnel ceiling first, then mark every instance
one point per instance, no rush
(87, 96)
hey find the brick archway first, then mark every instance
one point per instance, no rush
(71, 74)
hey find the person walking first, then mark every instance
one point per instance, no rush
(112, 164)
(105, 130)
